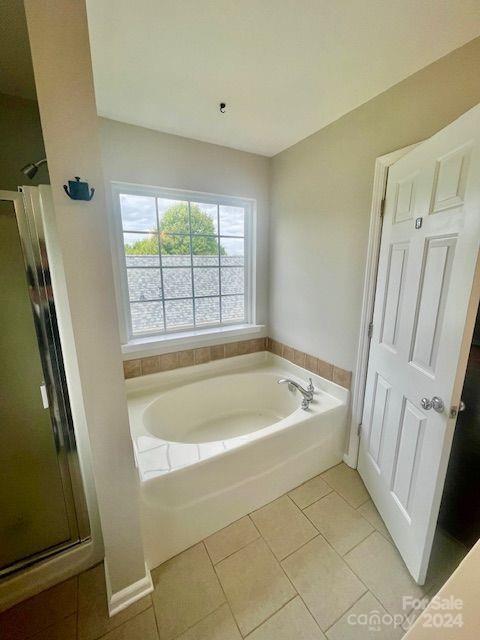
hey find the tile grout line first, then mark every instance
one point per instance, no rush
(302, 484)
(349, 609)
(223, 590)
(321, 475)
(249, 515)
(240, 548)
(297, 595)
(230, 609)
(365, 501)
(191, 625)
(315, 501)
(360, 542)
(302, 511)
(152, 605)
(155, 618)
(356, 544)
(375, 527)
(227, 602)
(304, 544)
(154, 569)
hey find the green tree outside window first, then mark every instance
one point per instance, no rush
(175, 220)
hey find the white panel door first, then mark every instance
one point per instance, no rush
(429, 248)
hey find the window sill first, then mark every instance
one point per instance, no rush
(153, 346)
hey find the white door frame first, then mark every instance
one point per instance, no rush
(382, 164)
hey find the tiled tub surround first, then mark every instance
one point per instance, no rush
(214, 442)
(299, 568)
(177, 359)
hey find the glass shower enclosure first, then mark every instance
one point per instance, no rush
(42, 503)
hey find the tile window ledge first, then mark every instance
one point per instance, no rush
(157, 345)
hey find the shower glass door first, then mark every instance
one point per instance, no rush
(38, 514)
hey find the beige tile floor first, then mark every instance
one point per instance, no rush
(304, 567)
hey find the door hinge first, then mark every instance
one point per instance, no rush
(382, 207)
(359, 429)
(370, 330)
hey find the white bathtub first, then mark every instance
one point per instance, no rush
(216, 441)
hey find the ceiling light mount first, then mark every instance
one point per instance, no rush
(223, 107)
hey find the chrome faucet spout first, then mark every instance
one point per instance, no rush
(295, 386)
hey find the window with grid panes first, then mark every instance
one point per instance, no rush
(186, 261)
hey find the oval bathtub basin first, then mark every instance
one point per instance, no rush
(219, 408)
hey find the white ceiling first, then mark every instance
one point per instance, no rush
(285, 68)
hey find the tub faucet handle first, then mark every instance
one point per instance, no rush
(310, 387)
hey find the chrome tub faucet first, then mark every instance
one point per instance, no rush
(306, 393)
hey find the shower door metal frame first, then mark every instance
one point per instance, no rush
(32, 237)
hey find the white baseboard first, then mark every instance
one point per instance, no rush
(127, 596)
(350, 460)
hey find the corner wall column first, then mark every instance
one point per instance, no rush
(58, 32)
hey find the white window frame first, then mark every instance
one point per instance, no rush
(134, 343)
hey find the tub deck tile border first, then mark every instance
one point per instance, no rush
(186, 358)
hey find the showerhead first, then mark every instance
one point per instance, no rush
(31, 168)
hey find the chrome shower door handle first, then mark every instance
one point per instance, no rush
(435, 403)
(44, 395)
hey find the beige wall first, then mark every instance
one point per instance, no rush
(143, 156)
(461, 594)
(320, 201)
